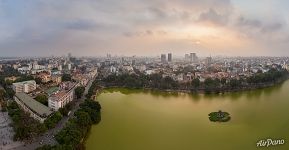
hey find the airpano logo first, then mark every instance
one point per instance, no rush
(270, 142)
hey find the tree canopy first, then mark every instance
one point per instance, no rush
(77, 128)
(42, 98)
(79, 91)
(66, 77)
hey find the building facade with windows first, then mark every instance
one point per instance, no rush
(36, 110)
(63, 96)
(25, 86)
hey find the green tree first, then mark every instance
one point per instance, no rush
(223, 81)
(77, 128)
(55, 147)
(234, 83)
(42, 98)
(52, 121)
(10, 92)
(196, 83)
(45, 147)
(38, 80)
(24, 78)
(211, 85)
(66, 77)
(82, 118)
(79, 91)
(70, 134)
(65, 110)
(2, 94)
(24, 126)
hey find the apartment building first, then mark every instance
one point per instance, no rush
(26, 86)
(63, 96)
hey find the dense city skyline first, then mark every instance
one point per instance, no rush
(149, 28)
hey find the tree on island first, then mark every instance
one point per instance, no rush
(219, 116)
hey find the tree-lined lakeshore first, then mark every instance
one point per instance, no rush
(209, 85)
(179, 117)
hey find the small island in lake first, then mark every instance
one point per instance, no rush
(219, 116)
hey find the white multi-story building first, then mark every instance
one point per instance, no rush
(69, 66)
(62, 97)
(24, 69)
(26, 86)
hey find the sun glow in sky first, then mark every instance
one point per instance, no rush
(137, 27)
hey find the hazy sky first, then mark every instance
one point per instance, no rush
(144, 27)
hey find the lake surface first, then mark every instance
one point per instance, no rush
(145, 120)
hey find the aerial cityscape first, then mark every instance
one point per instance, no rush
(144, 75)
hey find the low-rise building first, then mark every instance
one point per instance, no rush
(56, 79)
(44, 76)
(25, 86)
(82, 79)
(36, 110)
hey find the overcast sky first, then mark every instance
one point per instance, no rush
(144, 27)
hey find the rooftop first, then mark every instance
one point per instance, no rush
(34, 105)
(52, 90)
(25, 82)
(58, 96)
(67, 86)
(64, 89)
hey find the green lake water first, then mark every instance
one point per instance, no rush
(148, 120)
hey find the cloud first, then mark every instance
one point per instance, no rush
(251, 23)
(144, 33)
(93, 26)
(263, 26)
(272, 27)
(83, 25)
(262, 30)
(211, 16)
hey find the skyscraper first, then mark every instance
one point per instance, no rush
(209, 61)
(108, 56)
(69, 57)
(187, 57)
(193, 57)
(163, 58)
(170, 57)
(133, 62)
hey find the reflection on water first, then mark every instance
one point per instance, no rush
(134, 119)
(156, 93)
(98, 120)
(195, 97)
